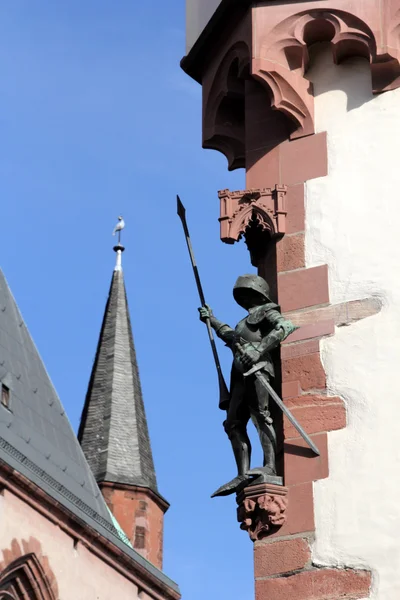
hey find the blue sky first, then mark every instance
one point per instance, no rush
(97, 119)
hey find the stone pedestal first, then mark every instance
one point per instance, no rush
(262, 509)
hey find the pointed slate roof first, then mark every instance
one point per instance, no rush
(36, 438)
(113, 431)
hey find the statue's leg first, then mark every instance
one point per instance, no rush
(260, 415)
(236, 428)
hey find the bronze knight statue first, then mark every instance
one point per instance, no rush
(255, 336)
(262, 330)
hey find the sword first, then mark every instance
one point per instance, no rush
(256, 371)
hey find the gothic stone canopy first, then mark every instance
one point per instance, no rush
(246, 42)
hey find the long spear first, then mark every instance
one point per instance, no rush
(223, 390)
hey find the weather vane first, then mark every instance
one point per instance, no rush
(119, 227)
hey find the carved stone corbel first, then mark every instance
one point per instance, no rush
(262, 509)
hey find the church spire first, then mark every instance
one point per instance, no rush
(113, 430)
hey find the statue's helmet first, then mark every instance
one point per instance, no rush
(251, 286)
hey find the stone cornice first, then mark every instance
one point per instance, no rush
(157, 498)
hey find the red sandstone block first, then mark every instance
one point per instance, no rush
(300, 511)
(314, 330)
(262, 168)
(291, 389)
(308, 370)
(290, 252)
(315, 414)
(281, 557)
(301, 465)
(262, 133)
(304, 159)
(316, 584)
(300, 289)
(347, 583)
(295, 207)
(299, 349)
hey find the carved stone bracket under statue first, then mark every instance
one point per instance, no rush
(262, 509)
(266, 206)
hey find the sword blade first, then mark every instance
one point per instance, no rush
(287, 412)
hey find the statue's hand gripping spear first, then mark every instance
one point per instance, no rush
(223, 390)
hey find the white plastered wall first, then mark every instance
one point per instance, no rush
(353, 225)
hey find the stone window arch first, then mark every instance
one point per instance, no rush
(25, 579)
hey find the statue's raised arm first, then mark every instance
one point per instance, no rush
(223, 331)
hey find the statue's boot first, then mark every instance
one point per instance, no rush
(233, 486)
(261, 471)
(264, 475)
(241, 447)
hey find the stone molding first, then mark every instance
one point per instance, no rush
(26, 573)
(266, 206)
(156, 498)
(25, 578)
(262, 509)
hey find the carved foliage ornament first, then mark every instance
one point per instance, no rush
(241, 208)
(262, 516)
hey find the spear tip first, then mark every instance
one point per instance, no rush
(181, 208)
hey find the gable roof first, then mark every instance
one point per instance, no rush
(36, 438)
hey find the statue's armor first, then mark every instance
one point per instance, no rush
(253, 329)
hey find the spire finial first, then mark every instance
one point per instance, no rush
(119, 248)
